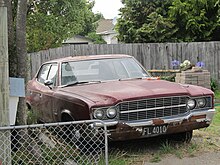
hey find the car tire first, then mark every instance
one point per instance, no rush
(86, 139)
(92, 141)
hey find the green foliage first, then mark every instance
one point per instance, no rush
(217, 95)
(97, 39)
(169, 21)
(143, 21)
(196, 20)
(214, 85)
(166, 148)
(50, 22)
(168, 78)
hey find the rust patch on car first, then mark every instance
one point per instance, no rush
(158, 121)
(186, 126)
(194, 118)
(124, 132)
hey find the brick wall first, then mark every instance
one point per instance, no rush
(194, 77)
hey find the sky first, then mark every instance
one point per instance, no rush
(109, 8)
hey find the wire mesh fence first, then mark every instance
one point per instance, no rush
(69, 143)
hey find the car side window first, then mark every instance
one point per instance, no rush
(42, 76)
(53, 73)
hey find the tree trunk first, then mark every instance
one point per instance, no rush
(11, 40)
(21, 50)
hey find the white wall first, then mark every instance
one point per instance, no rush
(110, 38)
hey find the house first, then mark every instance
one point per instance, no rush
(106, 30)
(77, 39)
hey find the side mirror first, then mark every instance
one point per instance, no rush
(48, 83)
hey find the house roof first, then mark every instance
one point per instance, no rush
(105, 26)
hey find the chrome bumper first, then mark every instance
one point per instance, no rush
(199, 116)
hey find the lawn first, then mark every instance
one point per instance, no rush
(215, 126)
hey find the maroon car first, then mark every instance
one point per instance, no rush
(119, 91)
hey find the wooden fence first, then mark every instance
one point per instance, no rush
(151, 55)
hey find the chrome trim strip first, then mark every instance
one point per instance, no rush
(148, 109)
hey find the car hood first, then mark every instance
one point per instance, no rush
(112, 92)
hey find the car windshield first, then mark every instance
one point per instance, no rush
(99, 70)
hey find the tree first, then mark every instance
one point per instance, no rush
(11, 39)
(21, 49)
(50, 22)
(144, 21)
(17, 11)
(168, 21)
(97, 39)
(196, 20)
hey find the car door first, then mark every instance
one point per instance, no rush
(48, 94)
(37, 91)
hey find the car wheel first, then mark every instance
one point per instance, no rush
(87, 139)
(70, 133)
(92, 140)
(182, 137)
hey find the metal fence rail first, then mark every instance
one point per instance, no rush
(69, 143)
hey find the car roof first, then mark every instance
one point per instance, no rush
(88, 57)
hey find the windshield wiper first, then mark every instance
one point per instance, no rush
(80, 82)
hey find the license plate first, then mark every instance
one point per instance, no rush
(154, 130)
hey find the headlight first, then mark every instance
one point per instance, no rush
(201, 102)
(98, 114)
(111, 113)
(191, 104)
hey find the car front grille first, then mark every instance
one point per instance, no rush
(152, 108)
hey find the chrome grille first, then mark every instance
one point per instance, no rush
(152, 108)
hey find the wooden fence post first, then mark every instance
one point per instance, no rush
(5, 142)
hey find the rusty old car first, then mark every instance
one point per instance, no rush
(119, 91)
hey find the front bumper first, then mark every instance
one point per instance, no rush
(134, 129)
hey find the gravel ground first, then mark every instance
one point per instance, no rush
(210, 158)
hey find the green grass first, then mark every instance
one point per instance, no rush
(120, 158)
(192, 149)
(156, 158)
(179, 150)
(167, 148)
(215, 125)
(217, 94)
(216, 120)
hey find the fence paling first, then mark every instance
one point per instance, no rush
(58, 143)
(151, 55)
